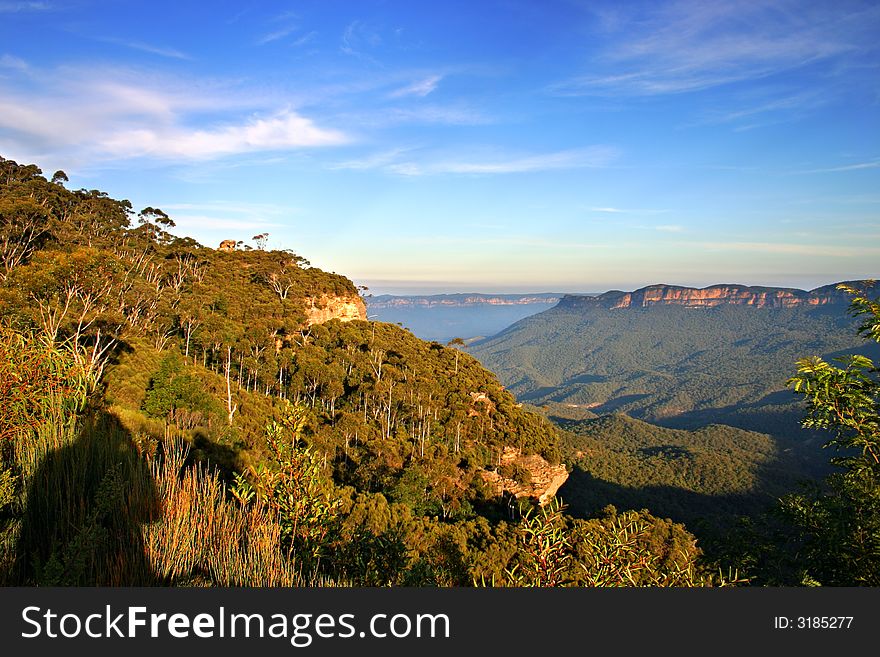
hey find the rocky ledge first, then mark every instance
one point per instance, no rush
(324, 308)
(525, 476)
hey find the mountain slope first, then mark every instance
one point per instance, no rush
(213, 343)
(669, 361)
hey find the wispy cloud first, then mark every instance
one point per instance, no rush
(692, 45)
(378, 160)
(421, 88)
(162, 51)
(847, 167)
(357, 38)
(505, 240)
(305, 38)
(12, 62)
(187, 222)
(16, 7)
(393, 162)
(670, 228)
(771, 106)
(235, 208)
(276, 35)
(438, 114)
(592, 157)
(614, 210)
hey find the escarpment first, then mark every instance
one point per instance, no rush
(707, 297)
(326, 307)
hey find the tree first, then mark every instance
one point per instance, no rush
(838, 525)
(290, 483)
(456, 343)
(179, 397)
(260, 240)
(24, 225)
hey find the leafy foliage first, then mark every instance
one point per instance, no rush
(629, 549)
(838, 525)
(291, 486)
(178, 396)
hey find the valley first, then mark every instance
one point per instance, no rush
(443, 317)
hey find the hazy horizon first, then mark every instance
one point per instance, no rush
(401, 289)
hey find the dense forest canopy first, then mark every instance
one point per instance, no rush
(678, 366)
(708, 476)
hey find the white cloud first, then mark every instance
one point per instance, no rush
(670, 228)
(611, 210)
(87, 117)
(421, 88)
(406, 169)
(282, 131)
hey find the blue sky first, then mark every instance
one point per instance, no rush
(498, 145)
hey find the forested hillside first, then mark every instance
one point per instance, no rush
(680, 366)
(175, 414)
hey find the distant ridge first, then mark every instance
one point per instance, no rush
(714, 295)
(460, 300)
(443, 317)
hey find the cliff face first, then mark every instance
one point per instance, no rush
(707, 297)
(324, 308)
(525, 476)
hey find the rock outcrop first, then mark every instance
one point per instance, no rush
(707, 297)
(324, 308)
(525, 476)
(227, 245)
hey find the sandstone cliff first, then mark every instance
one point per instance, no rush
(525, 476)
(324, 308)
(707, 297)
